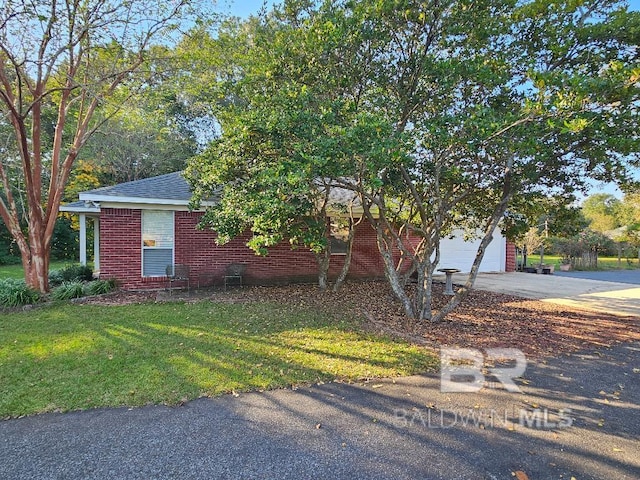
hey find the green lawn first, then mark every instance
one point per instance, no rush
(15, 271)
(604, 263)
(80, 356)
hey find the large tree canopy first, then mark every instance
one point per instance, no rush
(62, 62)
(437, 115)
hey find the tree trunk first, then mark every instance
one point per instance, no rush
(347, 259)
(619, 254)
(35, 261)
(393, 278)
(323, 260)
(427, 294)
(37, 271)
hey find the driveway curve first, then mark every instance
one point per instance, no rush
(597, 295)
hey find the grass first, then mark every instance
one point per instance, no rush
(72, 357)
(16, 271)
(604, 263)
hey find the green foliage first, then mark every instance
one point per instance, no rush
(81, 273)
(147, 131)
(65, 240)
(15, 293)
(9, 259)
(100, 287)
(68, 290)
(9, 253)
(582, 250)
(55, 278)
(437, 119)
(602, 210)
(77, 287)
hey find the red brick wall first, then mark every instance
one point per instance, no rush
(120, 254)
(510, 264)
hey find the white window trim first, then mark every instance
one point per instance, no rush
(142, 247)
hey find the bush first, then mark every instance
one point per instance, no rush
(69, 290)
(77, 273)
(15, 293)
(55, 278)
(9, 259)
(582, 250)
(99, 287)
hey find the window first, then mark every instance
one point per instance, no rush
(157, 242)
(339, 235)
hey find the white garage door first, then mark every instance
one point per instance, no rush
(458, 253)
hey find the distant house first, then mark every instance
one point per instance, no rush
(145, 225)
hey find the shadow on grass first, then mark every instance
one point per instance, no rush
(74, 357)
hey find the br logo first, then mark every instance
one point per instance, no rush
(461, 369)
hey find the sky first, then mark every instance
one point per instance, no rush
(244, 8)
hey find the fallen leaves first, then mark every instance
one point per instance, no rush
(520, 475)
(483, 320)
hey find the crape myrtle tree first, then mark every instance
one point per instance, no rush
(61, 62)
(464, 108)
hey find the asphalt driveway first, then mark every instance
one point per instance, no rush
(575, 417)
(619, 276)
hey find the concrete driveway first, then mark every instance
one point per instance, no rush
(602, 296)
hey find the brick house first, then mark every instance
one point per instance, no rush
(145, 225)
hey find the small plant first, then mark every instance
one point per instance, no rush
(15, 293)
(74, 273)
(69, 290)
(55, 278)
(99, 287)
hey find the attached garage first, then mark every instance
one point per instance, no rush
(456, 252)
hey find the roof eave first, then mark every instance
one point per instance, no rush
(89, 197)
(76, 209)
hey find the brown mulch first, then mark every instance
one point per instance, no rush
(483, 320)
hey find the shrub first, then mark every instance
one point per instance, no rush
(55, 278)
(15, 293)
(79, 273)
(69, 290)
(582, 250)
(98, 287)
(9, 259)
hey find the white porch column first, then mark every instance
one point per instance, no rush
(83, 239)
(96, 244)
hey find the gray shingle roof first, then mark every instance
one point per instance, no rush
(172, 189)
(80, 207)
(171, 186)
